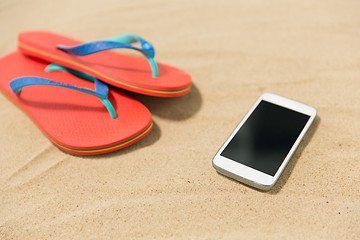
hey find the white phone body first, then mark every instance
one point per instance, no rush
(259, 178)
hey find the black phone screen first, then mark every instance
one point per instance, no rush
(266, 137)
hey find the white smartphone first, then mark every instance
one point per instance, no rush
(258, 150)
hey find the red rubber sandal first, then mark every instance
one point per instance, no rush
(136, 74)
(75, 119)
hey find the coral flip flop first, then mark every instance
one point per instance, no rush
(78, 120)
(137, 74)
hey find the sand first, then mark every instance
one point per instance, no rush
(164, 187)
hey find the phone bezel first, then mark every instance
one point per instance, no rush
(250, 175)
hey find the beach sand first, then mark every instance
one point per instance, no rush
(165, 186)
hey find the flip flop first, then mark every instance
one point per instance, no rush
(133, 73)
(73, 118)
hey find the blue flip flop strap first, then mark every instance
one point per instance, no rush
(122, 41)
(101, 89)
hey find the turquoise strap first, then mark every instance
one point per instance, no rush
(122, 41)
(56, 67)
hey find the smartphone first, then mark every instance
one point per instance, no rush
(260, 147)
